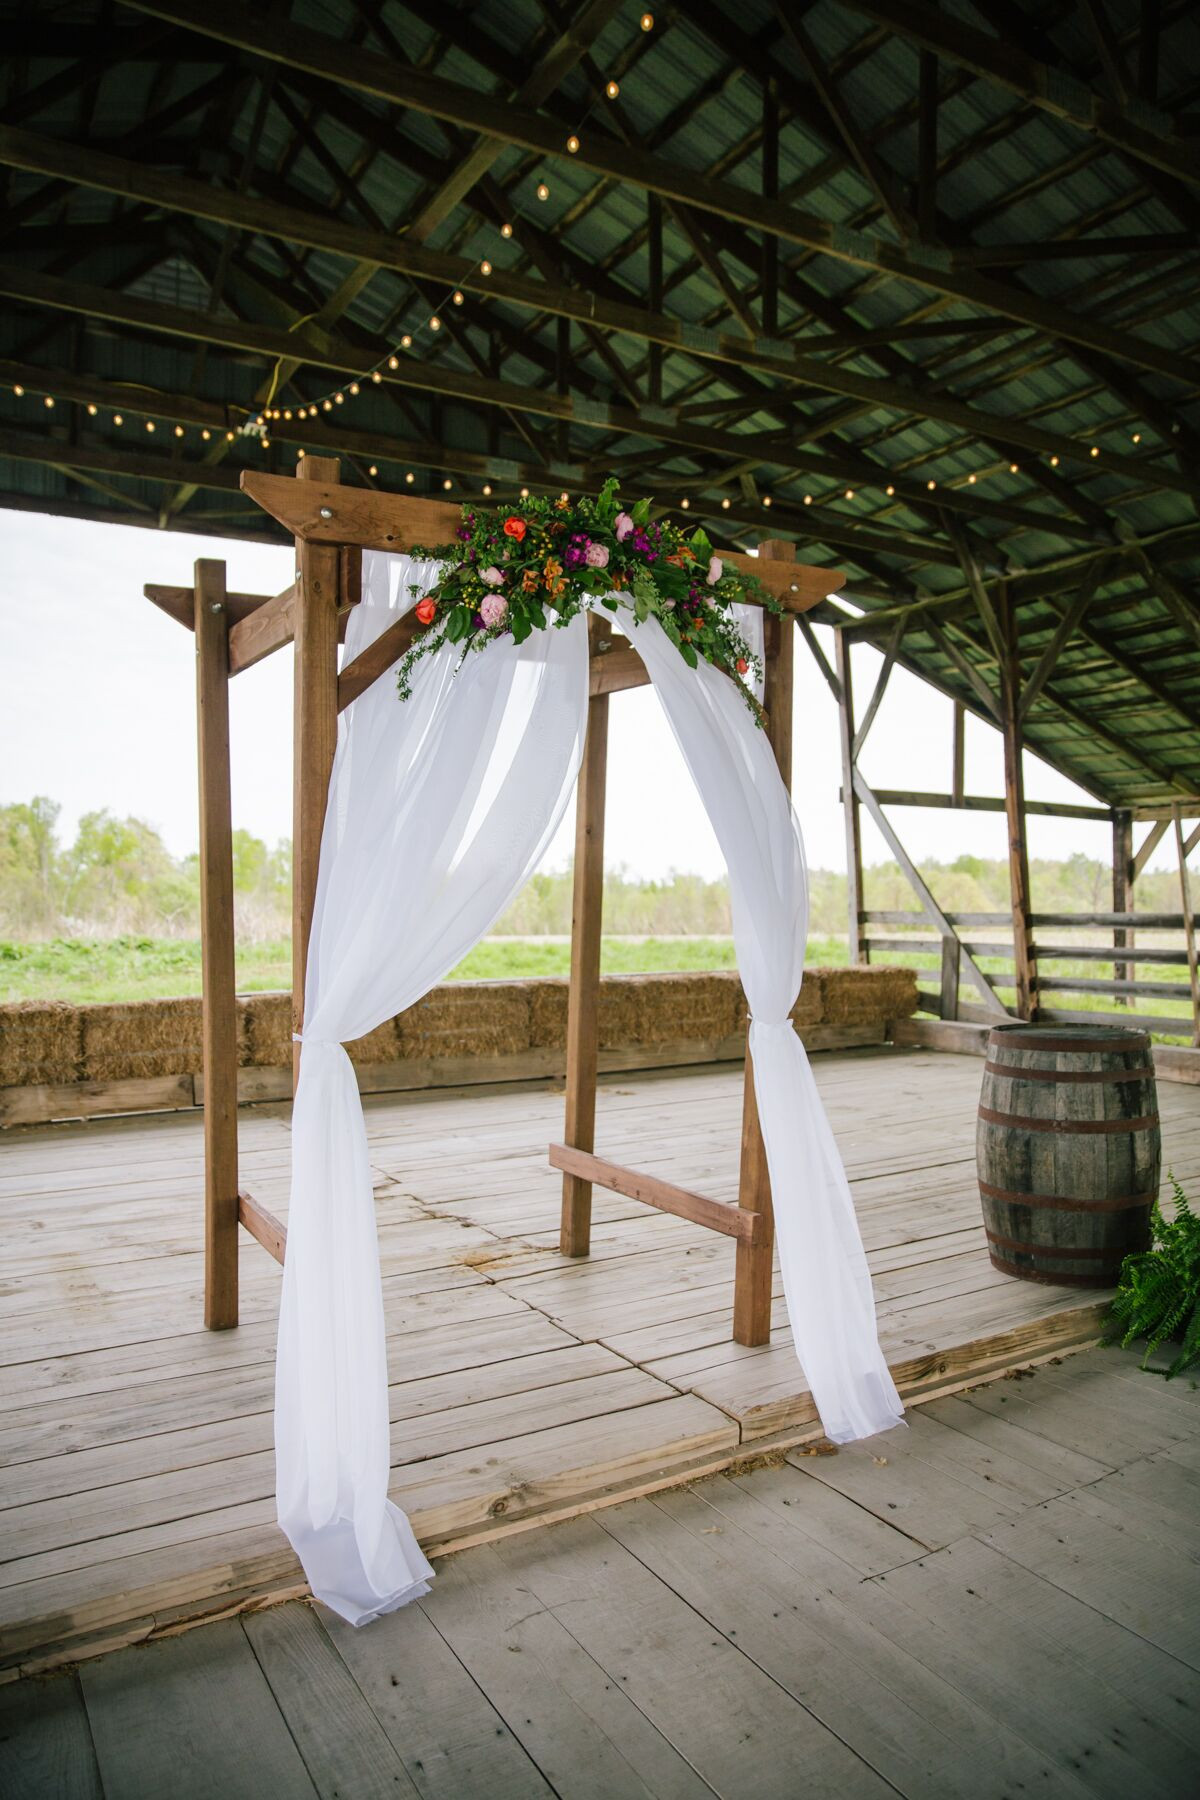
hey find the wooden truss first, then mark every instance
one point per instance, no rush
(332, 525)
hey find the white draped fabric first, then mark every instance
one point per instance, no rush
(825, 1275)
(439, 810)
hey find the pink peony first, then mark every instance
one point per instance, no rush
(493, 609)
(716, 569)
(622, 525)
(596, 556)
(492, 576)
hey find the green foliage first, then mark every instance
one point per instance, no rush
(1159, 1293)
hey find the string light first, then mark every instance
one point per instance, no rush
(524, 493)
(405, 343)
(647, 21)
(1014, 468)
(572, 144)
(458, 299)
(19, 391)
(543, 192)
(327, 405)
(149, 424)
(206, 434)
(725, 504)
(931, 485)
(808, 499)
(485, 267)
(849, 493)
(1137, 437)
(118, 419)
(229, 436)
(889, 492)
(410, 477)
(506, 230)
(970, 481)
(1054, 462)
(49, 400)
(179, 431)
(393, 362)
(435, 324)
(353, 390)
(447, 484)
(300, 454)
(487, 490)
(372, 470)
(685, 503)
(1095, 449)
(339, 399)
(612, 89)
(766, 499)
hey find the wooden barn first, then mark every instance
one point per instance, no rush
(898, 303)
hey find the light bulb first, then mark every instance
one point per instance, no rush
(339, 398)
(206, 434)
(685, 503)
(1137, 437)
(393, 362)
(376, 377)
(572, 144)
(327, 405)
(931, 485)
(524, 493)
(485, 267)
(406, 342)
(849, 493)
(889, 491)
(487, 488)
(354, 387)
(543, 192)
(149, 424)
(410, 477)
(612, 89)
(229, 435)
(506, 230)
(1054, 462)
(458, 299)
(647, 21)
(372, 470)
(725, 504)
(1095, 449)
(49, 401)
(766, 499)
(18, 390)
(93, 409)
(287, 411)
(300, 454)
(970, 481)
(1014, 468)
(447, 484)
(435, 324)
(118, 419)
(808, 499)
(179, 431)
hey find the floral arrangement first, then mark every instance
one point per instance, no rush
(539, 567)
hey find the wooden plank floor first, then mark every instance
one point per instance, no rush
(137, 1447)
(1004, 1600)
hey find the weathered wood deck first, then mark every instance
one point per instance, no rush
(137, 1447)
(1002, 1600)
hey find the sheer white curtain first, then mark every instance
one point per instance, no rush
(825, 1274)
(439, 810)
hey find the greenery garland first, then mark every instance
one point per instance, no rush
(514, 572)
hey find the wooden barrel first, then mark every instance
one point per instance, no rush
(1068, 1149)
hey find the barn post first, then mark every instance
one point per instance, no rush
(219, 1006)
(1024, 953)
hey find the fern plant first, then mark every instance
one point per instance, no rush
(1159, 1292)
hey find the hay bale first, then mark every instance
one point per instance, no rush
(861, 996)
(138, 1039)
(268, 1029)
(467, 1018)
(548, 1012)
(808, 1009)
(668, 1009)
(41, 1043)
(378, 1046)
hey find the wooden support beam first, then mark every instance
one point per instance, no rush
(1189, 924)
(951, 951)
(314, 725)
(179, 603)
(1150, 843)
(1122, 887)
(268, 628)
(853, 830)
(880, 688)
(613, 671)
(587, 911)
(1025, 955)
(219, 1014)
(731, 1221)
(958, 801)
(1094, 574)
(916, 881)
(373, 519)
(754, 1261)
(263, 1225)
(376, 659)
(819, 657)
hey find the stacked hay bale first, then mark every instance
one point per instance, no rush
(41, 1044)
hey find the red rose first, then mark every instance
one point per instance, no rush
(742, 665)
(514, 528)
(427, 610)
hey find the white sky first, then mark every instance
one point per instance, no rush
(97, 709)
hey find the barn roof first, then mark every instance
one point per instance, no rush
(922, 278)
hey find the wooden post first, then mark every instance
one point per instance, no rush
(587, 909)
(1014, 808)
(1189, 922)
(951, 947)
(854, 875)
(1122, 894)
(219, 1024)
(314, 729)
(754, 1263)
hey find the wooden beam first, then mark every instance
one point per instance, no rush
(1189, 924)
(851, 822)
(268, 628)
(314, 725)
(375, 520)
(263, 1225)
(880, 688)
(774, 358)
(1025, 956)
(391, 644)
(179, 603)
(1150, 844)
(219, 1007)
(1002, 61)
(1094, 574)
(1122, 889)
(614, 671)
(583, 1004)
(1049, 809)
(731, 1221)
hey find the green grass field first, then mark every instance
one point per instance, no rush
(143, 968)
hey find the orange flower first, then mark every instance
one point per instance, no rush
(426, 610)
(742, 665)
(552, 567)
(530, 581)
(515, 528)
(678, 560)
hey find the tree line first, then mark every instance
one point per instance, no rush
(117, 878)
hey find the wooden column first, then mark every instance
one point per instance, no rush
(1122, 894)
(1189, 922)
(219, 1026)
(587, 908)
(314, 728)
(951, 947)
(754, 1263)
(854, 876)
(1014, 809)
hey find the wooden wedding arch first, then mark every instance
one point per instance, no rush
(332, 525)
